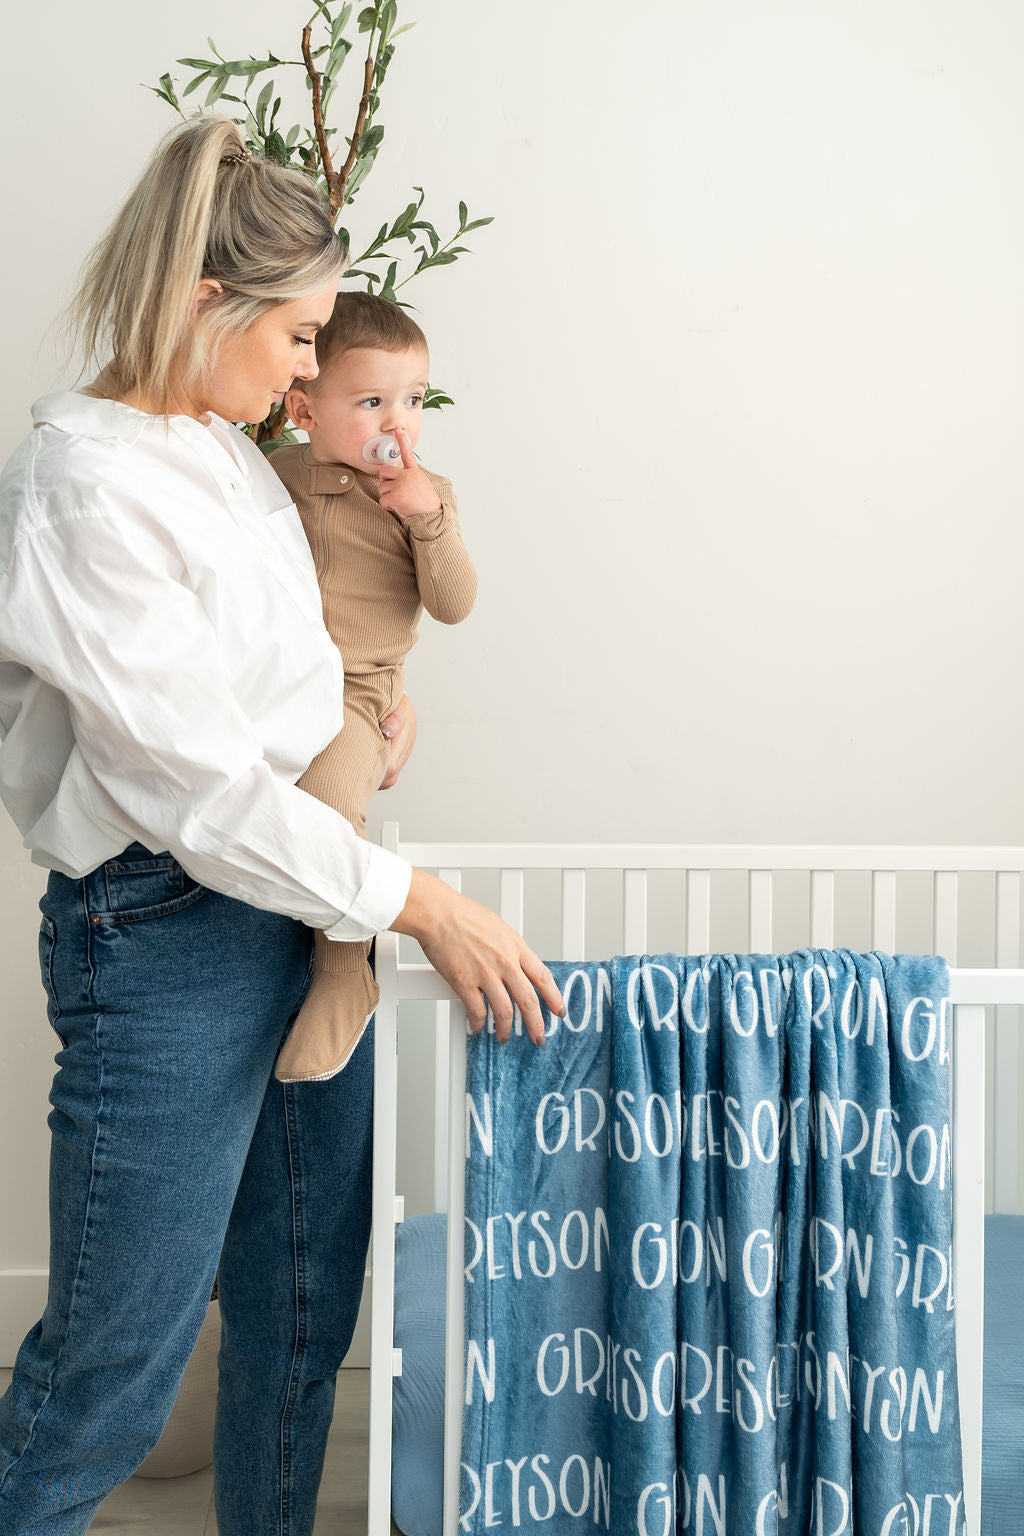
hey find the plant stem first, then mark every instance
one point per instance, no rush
(338, 193)
(271, 429)
(417, 270)
(318, 113)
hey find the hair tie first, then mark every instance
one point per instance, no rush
(237, 158)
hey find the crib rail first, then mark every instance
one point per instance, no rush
(977, 991)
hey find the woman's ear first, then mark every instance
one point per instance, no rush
(208, 290)
(298, 405)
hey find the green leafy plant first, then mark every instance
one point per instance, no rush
(409, 239)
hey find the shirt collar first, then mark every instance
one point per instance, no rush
(325, 479)
(89, 416)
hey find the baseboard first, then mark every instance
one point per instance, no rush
(22, 1299)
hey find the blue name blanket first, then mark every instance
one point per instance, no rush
(709, 1254)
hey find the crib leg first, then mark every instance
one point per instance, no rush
(382, 1245)
(969, 1240)
(454, 1352)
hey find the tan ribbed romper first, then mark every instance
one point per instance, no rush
(377, 572)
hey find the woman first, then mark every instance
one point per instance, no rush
(165, 677)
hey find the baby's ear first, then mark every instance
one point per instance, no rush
(297, 403)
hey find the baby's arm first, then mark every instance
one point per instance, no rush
(445, 574)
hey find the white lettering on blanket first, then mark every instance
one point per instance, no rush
(580, 1240)
(699, 1507)
(653, 1001)
(587, 1363)
(935, 1516)
(717, 1124)
(520, 1245)
(531, 1489)
(702, 1507)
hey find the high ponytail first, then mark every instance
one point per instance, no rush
(203, 208)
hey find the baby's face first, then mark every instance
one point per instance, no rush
(361, 394)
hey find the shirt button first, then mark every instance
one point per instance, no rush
(343, 479)
(266, 553)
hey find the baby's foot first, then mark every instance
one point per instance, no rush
(330, 1025)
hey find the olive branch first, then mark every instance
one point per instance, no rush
(309, 147)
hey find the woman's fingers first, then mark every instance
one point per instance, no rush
(400, 729)
(481, 957)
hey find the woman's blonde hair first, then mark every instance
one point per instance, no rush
(203, 208)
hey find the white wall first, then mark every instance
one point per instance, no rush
(739, 399)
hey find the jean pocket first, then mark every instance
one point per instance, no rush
(47, 944)
(139, 890)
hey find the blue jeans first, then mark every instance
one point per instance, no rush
(175, 1156)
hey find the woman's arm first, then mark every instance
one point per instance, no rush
(481, 957)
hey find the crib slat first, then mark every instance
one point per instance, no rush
(945, 905)
(883, 910)
(574, 912)
(823, 908)
(1007, 1063)
(634, 911)
(760, 883)
(454, 1343)
(442, 1055)
(969, 1239)
(510, 897)
(385, 1125)
(698, 911)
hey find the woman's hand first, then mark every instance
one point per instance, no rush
(481, 957)
(400, 729)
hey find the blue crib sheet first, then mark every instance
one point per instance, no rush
(417, 1446)
(1002, 1474)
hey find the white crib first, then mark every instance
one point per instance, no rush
(728, 898)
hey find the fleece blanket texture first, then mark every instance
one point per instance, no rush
(709, 1254)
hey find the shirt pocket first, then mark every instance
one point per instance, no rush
(285, 552)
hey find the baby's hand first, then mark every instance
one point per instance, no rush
(404, 488)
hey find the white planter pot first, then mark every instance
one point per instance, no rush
(186, 1444)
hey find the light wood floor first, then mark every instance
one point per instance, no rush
(183, 1506)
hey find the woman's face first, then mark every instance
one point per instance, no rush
(254, 368)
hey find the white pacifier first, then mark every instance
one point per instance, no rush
(382, 450)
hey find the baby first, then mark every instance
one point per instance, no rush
(386, 544)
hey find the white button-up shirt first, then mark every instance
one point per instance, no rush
(165, 672)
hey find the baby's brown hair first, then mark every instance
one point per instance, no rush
(364, 320)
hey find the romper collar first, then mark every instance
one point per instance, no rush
(326, 479)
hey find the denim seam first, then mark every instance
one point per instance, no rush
(299, 1349)
(146, 914)
(86, 1223)
(48, 986)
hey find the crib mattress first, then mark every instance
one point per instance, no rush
(1002, 1451)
